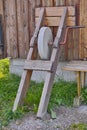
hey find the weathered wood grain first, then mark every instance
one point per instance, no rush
(38, 65)
(49, 21)
(56, 11)
(26, 26)
(13, 29)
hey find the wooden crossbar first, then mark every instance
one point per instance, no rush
(50, 21)
(38, 65)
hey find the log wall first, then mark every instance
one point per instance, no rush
(19, 25)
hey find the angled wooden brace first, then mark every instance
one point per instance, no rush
(26, 76)
(50, 75)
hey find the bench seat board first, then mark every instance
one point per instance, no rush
(76, 66)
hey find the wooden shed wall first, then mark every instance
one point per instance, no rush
(19, 25)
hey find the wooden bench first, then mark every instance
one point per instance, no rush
(80, 67)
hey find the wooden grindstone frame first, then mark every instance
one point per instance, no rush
(45, 16)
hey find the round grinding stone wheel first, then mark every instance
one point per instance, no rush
(44, 38)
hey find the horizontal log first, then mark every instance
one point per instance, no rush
(38, 65)
(56, 11)
(54, 21)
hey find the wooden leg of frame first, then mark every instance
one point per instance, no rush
(82, 79)
(45, 95)
(23, 87)
(78, 83)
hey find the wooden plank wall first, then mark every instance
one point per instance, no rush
(19, 19)
(2, 23)
(83, 32)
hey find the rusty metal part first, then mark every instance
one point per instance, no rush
(66, 32)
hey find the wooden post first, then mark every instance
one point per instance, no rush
(82, 79)
(31, 6)
(6, 5)
(13, 29)
(21, 44)
(2, 26)
(78, 84)
(81, 38)
(26, 27)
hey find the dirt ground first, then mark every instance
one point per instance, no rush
(65, 117)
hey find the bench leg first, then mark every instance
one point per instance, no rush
(78, 83)
(82, 79)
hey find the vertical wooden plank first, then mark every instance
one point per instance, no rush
(13, 29)
(38, 3)
(26, 27)
(20, 28)
(47, 3)
(59, 2)
(23, 27)
(69, 43)
(69, 2)
(76, 44)
(81, 37)
(73, 47)
(4, 30)
(2, 24)
(6, 5)
(85, 29)
(69, 51)
(1, 7)
(32, 5)
(56, 2)
(76, 32)
(62, 2)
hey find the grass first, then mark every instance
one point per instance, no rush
(63, 93)
(79, 126)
